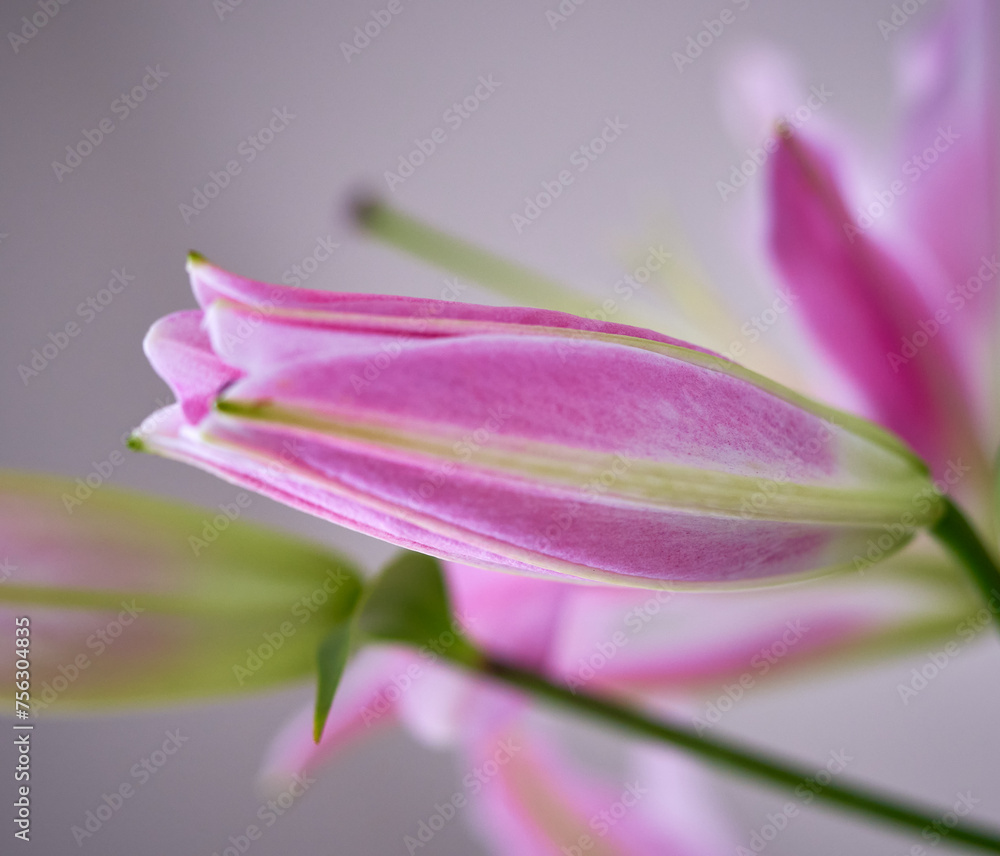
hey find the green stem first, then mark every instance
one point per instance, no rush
(520, 284)
(955, 532)
(732, 756)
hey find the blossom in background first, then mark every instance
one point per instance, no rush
(695, 656)
(894, 279)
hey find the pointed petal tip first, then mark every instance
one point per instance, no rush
(196, 259)
(136, 443)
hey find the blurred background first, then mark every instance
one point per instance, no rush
(311, 109)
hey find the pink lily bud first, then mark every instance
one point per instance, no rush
(125, 599)
(524, 439)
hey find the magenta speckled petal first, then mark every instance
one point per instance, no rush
(861, 305)
(409, 316)
(950, 216)
(948, 75)
(179, 350)
(522, 439)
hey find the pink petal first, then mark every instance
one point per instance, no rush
(951, 212)
(481, 435)
(678, 643)
(948, 76)
(529, 799)
(386, 314)
(445, 706)
(488, 521)
(604, 398)
(179, 350)
(861, 305)
(514, 617)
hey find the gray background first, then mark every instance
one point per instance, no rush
(353, 120)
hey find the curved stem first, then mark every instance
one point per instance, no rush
(955, 532)
(736, 758)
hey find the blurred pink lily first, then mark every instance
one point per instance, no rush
(133, 600)
(521, 783)
(523, 439)
(897, 282)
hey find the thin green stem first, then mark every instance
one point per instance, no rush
(520, 284)
(730, 755)
(955, 532)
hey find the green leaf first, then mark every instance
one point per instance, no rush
(408, 603)
(331, 660)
